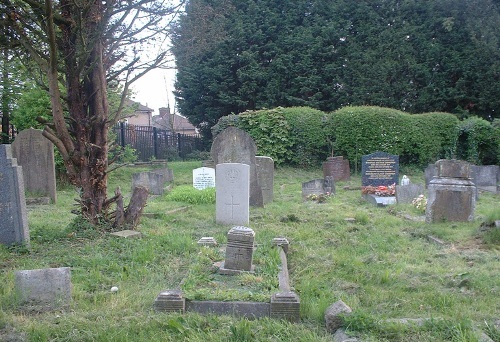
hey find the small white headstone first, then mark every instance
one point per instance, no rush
(203, 177)
(405, 180)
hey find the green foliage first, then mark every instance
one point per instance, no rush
(271, 131)
(34, 102)
(417, 139)
(309, 135)
(188, 194)
(479, 142)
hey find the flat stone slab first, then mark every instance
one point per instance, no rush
(380, 201)
(127, 234)
(207, 241)
(44, 289)
(229, 271)
(239, 309)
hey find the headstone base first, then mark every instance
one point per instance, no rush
(170, 301)
(285, 305)
(380, 201)
(229, 271)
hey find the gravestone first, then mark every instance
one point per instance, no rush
(337, 168)
(234, 145)
(452, 194)
(44, 289)
(486, 177)
(154, 182)
(265, 174)
(203, 178)
(406, 193)
(13, 216)
(168, 174)
(379, 168)
(430, 172)
(35, 154)
(239, 251)
(232, 188)
(318, 187)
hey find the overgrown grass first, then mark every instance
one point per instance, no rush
(383, 265)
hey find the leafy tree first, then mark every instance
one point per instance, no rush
(415, 56)
(81, 46)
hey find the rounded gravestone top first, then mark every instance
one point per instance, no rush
(241, 230)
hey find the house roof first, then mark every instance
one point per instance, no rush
(140, 107)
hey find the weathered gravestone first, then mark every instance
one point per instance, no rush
(153, 181)
(486, 177)
(234, 145)
(44, 289)
(452, 194)
(406, 193)
(239, 251)
(337, 168)
(318, 187)
(35, 154)
(232, 187)
(13, 217)
(430, 172)
(203, 178)
(379, 169)
(265, 174)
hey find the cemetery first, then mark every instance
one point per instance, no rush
(341, 260)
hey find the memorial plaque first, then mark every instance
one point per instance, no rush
(380, 168)
(203, 178)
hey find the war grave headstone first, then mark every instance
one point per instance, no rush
(234, 145)
(265, 174)
(13, 215)
(232, 188)
(380, 174)
(239, 251)
(338, 168)
(35, 154)
(486, 177)
(44, 289)
(203, 178)
(318, 186)
(452, 194)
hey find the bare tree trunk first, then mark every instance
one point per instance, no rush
(136, 205)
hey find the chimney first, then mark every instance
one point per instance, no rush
(164, 111)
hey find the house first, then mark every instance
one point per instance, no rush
(142, 115)
(173, 122)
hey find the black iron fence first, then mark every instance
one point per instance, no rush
(154, 143)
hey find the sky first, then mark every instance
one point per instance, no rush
(154, 89)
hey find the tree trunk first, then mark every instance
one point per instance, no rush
(135, 206)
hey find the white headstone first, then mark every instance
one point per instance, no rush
(232, 193)
(203, 177)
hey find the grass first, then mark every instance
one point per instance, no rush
(382, 265)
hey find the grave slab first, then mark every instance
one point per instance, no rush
(127, 234)
(44, 289)
(250, 310)
(379, 201)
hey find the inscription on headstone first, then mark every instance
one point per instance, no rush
(203, 177)
(380, 168)
(35, 154)
(13, 217)
(232, 187)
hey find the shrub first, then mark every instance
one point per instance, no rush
(479, 142)
(188, 194)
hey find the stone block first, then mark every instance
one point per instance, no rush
(333, 315)
(170, 301)
(285, 305)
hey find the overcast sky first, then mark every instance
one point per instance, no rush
(154, 90)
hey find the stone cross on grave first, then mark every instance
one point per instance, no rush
(232, 205)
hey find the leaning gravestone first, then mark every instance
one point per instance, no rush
(232, 187)
(35, 154)
(379, 169)
(265, 174)
(203, 178)
(44, 289)
(13, 217)
(452, 194)
(234, 145)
